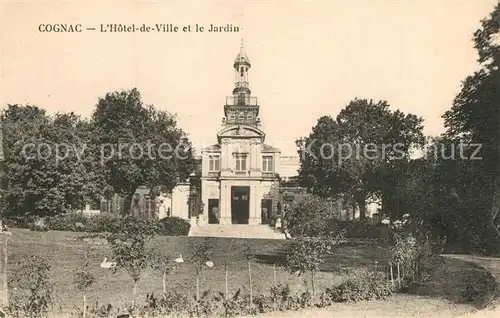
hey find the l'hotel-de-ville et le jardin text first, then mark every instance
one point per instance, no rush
(143, 28)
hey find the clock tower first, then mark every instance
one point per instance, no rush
(241, 108)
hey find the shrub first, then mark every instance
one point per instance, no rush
(282, 298)
(75, 222)
(308, 253)
(129, 246)
(84, 279)
(39, 225)
(99, 223)
(173, 226)
(366, 285)
(202, 253)
(415, 256)
(263, 304)
(104, 222)
(33, 277)
(357, 230)
(235, 305)
(308, 215)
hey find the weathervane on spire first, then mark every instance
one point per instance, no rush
(242, 45)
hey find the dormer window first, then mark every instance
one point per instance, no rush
(213, 163)
(267, 164)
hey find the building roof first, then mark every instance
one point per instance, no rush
(289, 166)
(214, 147)
(267, 148)
(242, 58)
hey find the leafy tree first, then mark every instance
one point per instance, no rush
(474, 185)
(129, 245)
(45, 162)
(139, 145)
(201, 257)
(309, 214)
(306, 254)
(161, 263)
(84, 279)
(347, 156)
(249, 254)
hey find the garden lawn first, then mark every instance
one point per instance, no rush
(65, 252)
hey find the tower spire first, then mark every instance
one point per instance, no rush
(241, 66)
(241, 107)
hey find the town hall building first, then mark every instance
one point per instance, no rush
(237, 180)
(240, 171)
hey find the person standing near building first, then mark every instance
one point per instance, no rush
(216, 214)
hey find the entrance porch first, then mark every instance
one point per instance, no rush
(240, 203)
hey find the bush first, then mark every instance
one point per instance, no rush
(99, 223)
(366, 285)
(75, 222)
(79, 222)
(39, 225)
(357, 230)
(309, 215)
(105, 222)
(32, 276)
(173, 226)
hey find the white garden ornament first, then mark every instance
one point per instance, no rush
(106, 264)
(209, 264)
(179, 259)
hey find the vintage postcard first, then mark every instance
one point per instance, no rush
(249, 158)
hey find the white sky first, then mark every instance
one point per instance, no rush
(309, 58)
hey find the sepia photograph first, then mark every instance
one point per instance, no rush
(214, 158)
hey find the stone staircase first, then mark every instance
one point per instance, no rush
(235, 231)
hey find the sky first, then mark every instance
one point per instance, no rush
(309, 58)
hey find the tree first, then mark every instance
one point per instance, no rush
(161, 263)
(346, 156)
(201, 257)
(309, 215)
(139, 145)
(474, 119)
(47, 169)
(249, 254)
(129, 245)
(315, 171)
(84, 279)
(306, 254)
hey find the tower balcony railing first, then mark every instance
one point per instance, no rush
(242, 100)
(242, 84)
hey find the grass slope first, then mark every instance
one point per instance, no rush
(64, 251)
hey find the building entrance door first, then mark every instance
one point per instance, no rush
(240, 205)
(213, 211)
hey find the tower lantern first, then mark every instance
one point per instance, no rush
(241, 108)
(241, 67)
